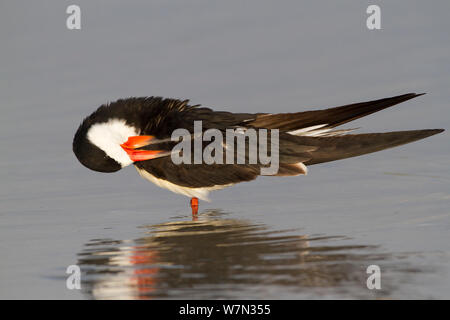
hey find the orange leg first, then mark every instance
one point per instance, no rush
(194, 206)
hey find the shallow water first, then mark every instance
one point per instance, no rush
(299, 237)
(218, 257)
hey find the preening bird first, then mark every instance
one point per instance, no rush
(138, 131)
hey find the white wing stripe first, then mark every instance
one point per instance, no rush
(304, 131)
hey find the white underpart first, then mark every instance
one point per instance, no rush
(201, 193)
(108, 136)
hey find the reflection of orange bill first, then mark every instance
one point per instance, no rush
(146, 271)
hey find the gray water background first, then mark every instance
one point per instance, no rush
(390, 208)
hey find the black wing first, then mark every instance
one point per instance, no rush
(294, 150)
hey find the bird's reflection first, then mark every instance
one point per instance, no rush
(218, 257)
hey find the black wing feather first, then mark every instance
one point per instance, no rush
(333, 117)
(293, 149)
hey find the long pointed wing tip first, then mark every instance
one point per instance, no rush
(436, 131)
(430, 132)
(411, 95)
(418, 94)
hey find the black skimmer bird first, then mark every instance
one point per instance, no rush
(138, 131)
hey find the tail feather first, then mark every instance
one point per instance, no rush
(352, 145)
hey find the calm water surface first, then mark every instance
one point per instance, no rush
(220, 257)
(300, 237)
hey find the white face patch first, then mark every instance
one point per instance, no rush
(108, 136)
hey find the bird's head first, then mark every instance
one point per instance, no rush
(106, 142)
(99, 145)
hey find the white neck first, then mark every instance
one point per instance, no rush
(108, 136)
